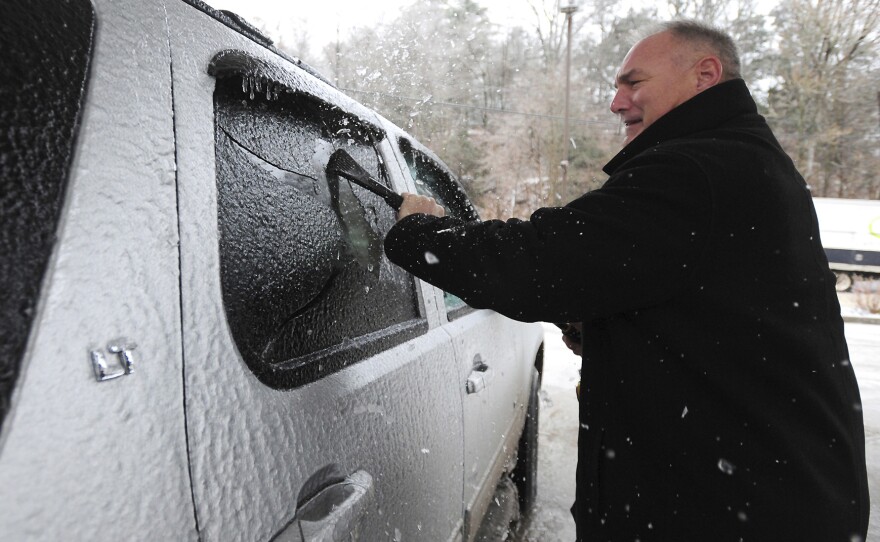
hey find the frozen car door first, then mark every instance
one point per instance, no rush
(318, 399)
(491, 353)
(88, 188)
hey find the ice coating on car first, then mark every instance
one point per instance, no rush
(302, 266)
(256, 74)
(47, 56)
(260, 77)
(193, 436)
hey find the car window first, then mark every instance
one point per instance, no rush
(432, 179)
(47, 48)
(306, 286)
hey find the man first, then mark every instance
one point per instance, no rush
(717, 402)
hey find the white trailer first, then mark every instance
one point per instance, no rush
(850, 230)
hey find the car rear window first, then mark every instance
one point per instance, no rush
(46, 48)
(306, 286)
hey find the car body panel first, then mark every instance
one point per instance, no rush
(87, 460)
(191, 443)
(253, 448)
(493, 414)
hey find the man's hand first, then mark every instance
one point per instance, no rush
(414, 203)
(571, 336)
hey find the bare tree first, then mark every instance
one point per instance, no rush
(824, 102)
(489, 100)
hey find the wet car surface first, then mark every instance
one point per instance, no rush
(203, 339)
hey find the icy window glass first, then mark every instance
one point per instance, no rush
(432, 179)
(46, 52)
(306, 286)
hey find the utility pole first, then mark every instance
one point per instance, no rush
(568, 7)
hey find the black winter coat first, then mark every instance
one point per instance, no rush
(717, 399)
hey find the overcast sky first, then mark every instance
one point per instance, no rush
(324, 16)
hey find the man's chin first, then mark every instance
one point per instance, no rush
(632, 132)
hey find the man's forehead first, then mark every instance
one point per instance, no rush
(645, 55)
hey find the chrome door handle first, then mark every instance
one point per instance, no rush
(480, 376)
(334, 514)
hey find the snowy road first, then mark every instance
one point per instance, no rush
(557, 452)
(557, 443)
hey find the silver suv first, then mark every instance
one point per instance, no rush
(202, 338)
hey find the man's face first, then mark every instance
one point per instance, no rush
(656, 76)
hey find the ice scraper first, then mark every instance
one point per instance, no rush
(341, 163)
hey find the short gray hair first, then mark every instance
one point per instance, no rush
(703, 35)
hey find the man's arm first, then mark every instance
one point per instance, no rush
(633, 243)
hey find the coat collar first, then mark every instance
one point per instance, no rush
(706, 110)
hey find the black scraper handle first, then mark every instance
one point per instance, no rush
(341, 163)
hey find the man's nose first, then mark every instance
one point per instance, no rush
(620, 102)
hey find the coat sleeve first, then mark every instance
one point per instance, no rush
(633, 243)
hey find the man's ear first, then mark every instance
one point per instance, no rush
(709, 72)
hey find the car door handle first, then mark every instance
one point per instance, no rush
(334, 514)
(480, 376)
